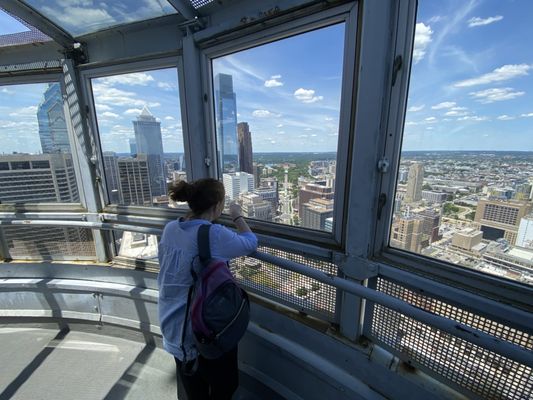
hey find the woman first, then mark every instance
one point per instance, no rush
(178, 249)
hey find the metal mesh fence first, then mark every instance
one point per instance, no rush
(33, 35)
(462, 363)
(200, 3)
(49, 243)
(287, 287)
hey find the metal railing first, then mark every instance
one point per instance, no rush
(477, 337)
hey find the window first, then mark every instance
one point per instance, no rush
(465, 178)
(277, 119)
(140, 129)
(35, 159)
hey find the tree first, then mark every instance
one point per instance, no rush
(315, 286)
(302, 291)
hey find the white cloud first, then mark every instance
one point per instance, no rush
(328, 119)
(528, 115)
(503, 73)
(416, 108)
(281, 133)
(435, 18)
(279, 126)
(6, 91)
(166, 86)
(455, 113)
(472, 118)
(459, 108)
(308, 129)
(76, 16)
(273, 81)
(102, 107)
(134, 79)
(169, 118)
(495, 94)
(422, 40)
(313, 135)
(24, 112)
(115, 97)
(477, 21)
(154, 104)
(505, 117)
(303, 136)
(264, 114)
(109, 114)
(133, 111)
(273, 142)
(445, 104)
(307, 95)
(431, 120)
(411, 123)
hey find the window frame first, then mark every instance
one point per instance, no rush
(87, 75)
(511, 292)
(36, 78)
(346, 14)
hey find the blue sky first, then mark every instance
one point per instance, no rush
(471, 88)
(471, 80)
(289, 91)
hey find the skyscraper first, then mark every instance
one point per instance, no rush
(245, 147)
(226, 120)
(414, 183)
(313, 191)
(134, 181)
(51, 118)
(149, 141)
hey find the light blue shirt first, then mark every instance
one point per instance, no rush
(178, 249)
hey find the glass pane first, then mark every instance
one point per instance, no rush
(35, 161)
(277, 119)
(139, 122)
(84, 16)
(10, 25)
(466, 170)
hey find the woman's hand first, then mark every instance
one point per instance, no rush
(234, 210)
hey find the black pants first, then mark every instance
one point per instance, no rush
(213, 380)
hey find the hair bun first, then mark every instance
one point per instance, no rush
(181, 191)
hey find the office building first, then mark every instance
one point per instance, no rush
(226, 120)
(237, 183)
(414, 183)
(255, 207)
(315, 213)
(328, 225)
(466, 239)
(434, 197)
(258, 173)
(269, 194)
(150, 143)
(313, 191)
(42, 178)
(133, 147)
(51, 118)
(500, 219)
(408, 233)
(134, 181)
(431, 224)
(38, 178)
(245, 147)
(525, 232)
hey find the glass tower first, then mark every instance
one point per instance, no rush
(226, 119)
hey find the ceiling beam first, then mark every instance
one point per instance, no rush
(185, 8)
(39, 21)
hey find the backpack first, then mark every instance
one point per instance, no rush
(219, 308)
